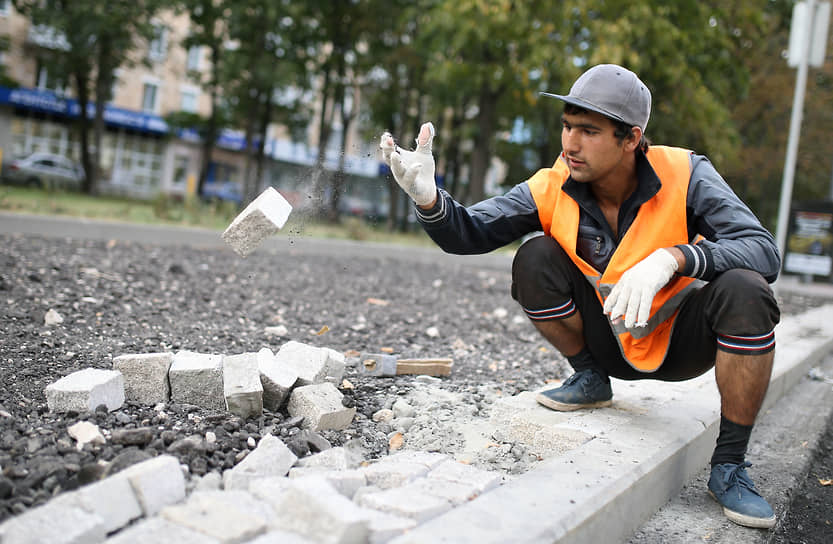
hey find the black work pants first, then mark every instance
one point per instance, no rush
(735, 312)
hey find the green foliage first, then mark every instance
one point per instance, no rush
(476, 69)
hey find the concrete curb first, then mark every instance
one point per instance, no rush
(653, 439)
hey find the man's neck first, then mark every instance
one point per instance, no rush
(617, 186)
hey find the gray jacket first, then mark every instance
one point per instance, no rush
(734, 238)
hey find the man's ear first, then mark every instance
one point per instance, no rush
(632, 141)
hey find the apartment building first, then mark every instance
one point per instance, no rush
(141, 155)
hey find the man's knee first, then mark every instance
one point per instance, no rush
(744, 303)
(538, 264)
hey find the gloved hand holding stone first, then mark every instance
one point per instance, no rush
(634, 292)
(413, 170)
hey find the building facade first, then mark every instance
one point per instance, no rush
(141, 155)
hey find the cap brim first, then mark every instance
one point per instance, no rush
(583, 104)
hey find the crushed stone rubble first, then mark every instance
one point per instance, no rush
(108, 298)
(270, 496)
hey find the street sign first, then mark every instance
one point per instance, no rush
(810, 241)
(819, 23)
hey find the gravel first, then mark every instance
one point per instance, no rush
(116, 298)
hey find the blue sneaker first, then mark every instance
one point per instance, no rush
(731, 486)
(584, 389)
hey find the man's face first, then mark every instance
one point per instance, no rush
(591, 149)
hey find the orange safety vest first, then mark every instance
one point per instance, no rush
(660, 222)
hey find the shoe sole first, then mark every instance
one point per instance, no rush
(562, 407)
(743, 519)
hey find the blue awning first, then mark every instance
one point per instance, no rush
(48, 102)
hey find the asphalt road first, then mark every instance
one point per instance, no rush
(205, 238)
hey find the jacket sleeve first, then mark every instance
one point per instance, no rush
(733, 235)
(482, 227)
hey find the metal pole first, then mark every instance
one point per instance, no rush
(830, 194)
(795, 130)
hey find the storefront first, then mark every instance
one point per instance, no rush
(133, 146)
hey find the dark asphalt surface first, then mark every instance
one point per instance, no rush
(784, 440)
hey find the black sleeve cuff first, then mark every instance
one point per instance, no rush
(699, 262)
(436, 213)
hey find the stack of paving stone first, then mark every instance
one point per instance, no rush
(269, 497)
(301, 376)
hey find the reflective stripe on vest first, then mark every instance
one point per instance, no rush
(660, 222)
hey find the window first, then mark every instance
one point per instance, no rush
(189, 100)
(180, 170)
(117, 74)
(47, 80)
(192, 62)
(4, 7)
(150, 96)
(158, 48)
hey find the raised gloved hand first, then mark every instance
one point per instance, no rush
(634, 292)
(413, 170)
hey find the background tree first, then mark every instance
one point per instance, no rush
(396, 93)
(209, 29)
(261, 66)
(95, 39)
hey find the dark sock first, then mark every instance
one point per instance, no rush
(583, 360)
(731, 442)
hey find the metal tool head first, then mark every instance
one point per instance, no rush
(377, 364)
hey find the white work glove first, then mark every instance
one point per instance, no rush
(413, 170)
(634, 292)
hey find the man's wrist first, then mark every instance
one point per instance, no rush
(678, 255)
(428, 206)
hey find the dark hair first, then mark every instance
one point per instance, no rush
(621, 129)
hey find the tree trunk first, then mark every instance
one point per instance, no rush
(347, 117)
(261, 146)
(393, 187)
(413, 126)
(482, 153)
(82, 90)
(211, 128)
(249, 183)
(319, 177)
(103, 84)
(452, 153)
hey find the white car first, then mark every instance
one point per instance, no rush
(43, 170)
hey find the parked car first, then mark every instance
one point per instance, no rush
(223, 190)
(43, 170)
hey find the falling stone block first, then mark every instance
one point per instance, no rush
(320, 406)
(263, 217)
(310, 363)
(145, 377)
(85, 390)
(276, 379)
(241, 385)
(270, 458)
(197, 378)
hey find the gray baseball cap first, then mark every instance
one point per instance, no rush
(614, 92)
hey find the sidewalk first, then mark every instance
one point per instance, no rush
(642, 450)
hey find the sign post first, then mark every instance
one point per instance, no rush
(808, 36)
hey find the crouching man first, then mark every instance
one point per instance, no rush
(649, 266)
